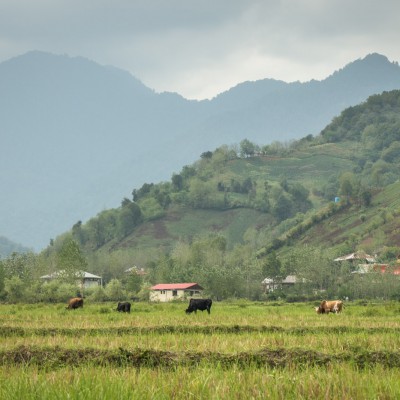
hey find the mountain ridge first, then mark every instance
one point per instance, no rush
(78, 136)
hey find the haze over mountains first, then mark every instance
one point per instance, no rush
(77, 137)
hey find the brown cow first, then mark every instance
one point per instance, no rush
(75, 302)
(334, 306)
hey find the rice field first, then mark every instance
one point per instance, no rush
(242, 350)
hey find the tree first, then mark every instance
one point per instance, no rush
(71, 261)
(283, 207)
(14, 289)
(347, 184)
(206, 155)
(247, 148)
(177, 182)
(129, 217)
(272, 268)
(366, 197)
(200, 193)
(114, 290)
(134, 282)
(78, 232)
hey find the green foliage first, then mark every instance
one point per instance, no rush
(151, 209)
(14, 289)
(98, 294)
(272, 267)
(115, 291)
(134, 282)
(129, 217)
(70, 261)
(247, 148)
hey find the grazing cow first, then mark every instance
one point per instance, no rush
(199, 304)
(124, 307)
(334, 306)
(75, 302)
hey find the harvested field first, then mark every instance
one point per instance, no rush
(241, 350)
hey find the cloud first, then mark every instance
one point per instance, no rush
(199, 49)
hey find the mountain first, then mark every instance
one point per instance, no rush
(77, 137)
(8, 247)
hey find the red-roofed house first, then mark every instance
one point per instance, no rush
(164, 292)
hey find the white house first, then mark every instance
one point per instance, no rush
(270, 285)
(164, 292)
(136, 270)
(83, 279)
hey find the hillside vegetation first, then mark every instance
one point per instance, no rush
(229, 190)
(246, 212)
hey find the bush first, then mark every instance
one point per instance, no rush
(114, 290)
(97, 294)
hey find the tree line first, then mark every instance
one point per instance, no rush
(225, 274)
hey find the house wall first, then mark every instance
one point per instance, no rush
(88, 283)
(168, 295)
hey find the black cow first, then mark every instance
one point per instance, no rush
(199, 304)
(75, 302)
(124, 307)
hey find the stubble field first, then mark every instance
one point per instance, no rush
(242, 350)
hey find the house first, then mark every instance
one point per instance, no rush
(164, 292)
(382, 268)
(136, 270)
(358, 255)
(83, 279)
(270, 285)
(370, 264)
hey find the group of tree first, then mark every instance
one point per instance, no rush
(224, 273)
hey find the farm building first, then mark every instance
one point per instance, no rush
(382, 268)
(136, 270)
(370, 264)
(83, 279)
(164, 292)
(358, 255)
(269, 285)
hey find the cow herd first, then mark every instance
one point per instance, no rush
(325, 307)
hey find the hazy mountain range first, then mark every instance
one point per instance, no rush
(77, 137)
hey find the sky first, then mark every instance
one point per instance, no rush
(202, 48)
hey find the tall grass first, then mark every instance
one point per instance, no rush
(202, 383)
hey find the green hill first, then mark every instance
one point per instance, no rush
(334, 193)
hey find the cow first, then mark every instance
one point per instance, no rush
(124, 307)
(334, 306)
(199, 304)
(75, 302)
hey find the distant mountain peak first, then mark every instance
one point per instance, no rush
(372, 64)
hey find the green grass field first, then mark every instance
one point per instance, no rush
(242, 350)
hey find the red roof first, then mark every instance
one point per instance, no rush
(176, 286)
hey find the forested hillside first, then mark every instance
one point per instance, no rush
(246, 212)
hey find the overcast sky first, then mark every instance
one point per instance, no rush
(201, 48)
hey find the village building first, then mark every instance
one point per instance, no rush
(84, 280)
(369, 265)
(381, 268)
(136, 270)
(357, 256)
(269, 285)
(165, 292)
